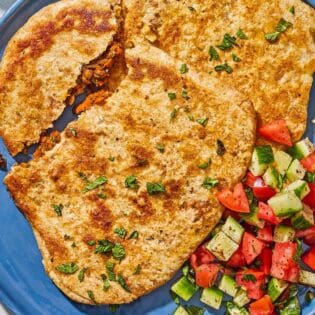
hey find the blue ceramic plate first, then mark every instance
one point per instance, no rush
(24, 287)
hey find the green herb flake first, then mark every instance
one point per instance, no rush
(81, 274)
(310, 177)
(73, 245)
(172, 96)
(110, 271)
(67, 237)
(95, 184)
(118, 252)
(83, 176)
(112, 158)
(249, 278)
(131, 182)
(73, 132)
(220, 148)
(204, 165)
(195, 310)
(101, 195)
(213, 54)
(283, 25)
(299, 251)
(91, 243)
(68, 268)
(191, 117)
(228, 42)
(209, 183)
(173, 114)
(121, 232)
(137, 270)
(185, 94)
(155, 188)
(240, 34)
(106, 284)
(236, 58)
(185, 270)
(134, 235)
(91, 296)
(203, 121)
(160, 147)
(192, 9)
(292, 10)
(224, 67)
(113, 308)
(58, 209)
(123, 283)
(183, 68)
(272, 37)
(104, 246)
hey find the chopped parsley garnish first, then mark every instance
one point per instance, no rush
(112, 158)
(272, 37)
(67, 237)
(155, 188)
(194, 310)
(281, 27)
(191, 117)
(183, 68)
(134, 235)
(104, 246)
(213, 54)
(228, 42)
(96, 183)
(185, 94)
(131, 182)
(121, 232)
(68, 268)
(292, 10)
(106, 283)
(224, 67)
(73, 132)
(58, 209)
(220, 148)
(205, 165)
(81, 274)
(249, 278)
(192, 9)
(310, 177)
(240, 34)
(160, 147)
(113, 308)
(137, 270)
(118, 251)
(174, 114)
(236, 58)
(91, 296)
(110, 271)
(209, 183)
(299, 251)
(73, 245)
(102, 195)
(172, 96)
(123, 283)
(203, 121)
(91, 243)
(83, 176)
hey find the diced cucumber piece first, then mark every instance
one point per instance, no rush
(276, 288)
(233, 229)
(295, 171)
(233, 309)
(292, 307)
(282, 161)
(302, 149)
(303, 219)
(222, 246)
(262, 157)
(241, 298)
(283, 233)
(184, 288)
(300, 188)
(252, 218)
(180, 311)
(307, 278)
(212, 297)
(216, 230)
(272, 178)
(285, 204)
(228, 285)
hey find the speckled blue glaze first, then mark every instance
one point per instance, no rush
(24, 287)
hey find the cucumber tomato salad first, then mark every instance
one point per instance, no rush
(254, 258)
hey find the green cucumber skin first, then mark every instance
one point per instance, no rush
(304, 219)
(212, 297)
(292, 307)
(265, 154)
(281, 204)
(184, 288)
(276, 288)
(228, 285)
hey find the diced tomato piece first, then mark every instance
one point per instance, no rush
(251, 179)
(251, 247)
(304, 233)
(263, 306)
(237, 260)
(266, 213)
(310, 198)
(309, 258)
(236, 200)
(309, 162)
(283, 265)
(206, 275)
(260, 190)
(276, 131)
(253, 281)
(309, 240)
(265, 260)
(201, 256)
(265, 234)
(228, 213)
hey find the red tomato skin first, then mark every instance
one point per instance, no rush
(266, 259)
(276, 131)
(253, 289)
(309, 162)
(265, 234)
(201, 256)
(307, 232)
(309, 258)
(206, 275)
(251, 247)
(310, 198)
(283, 266)
(263, 306)
(237, 260)
(266, 213)
(251, 179)
(309, 240)
(260, 190)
